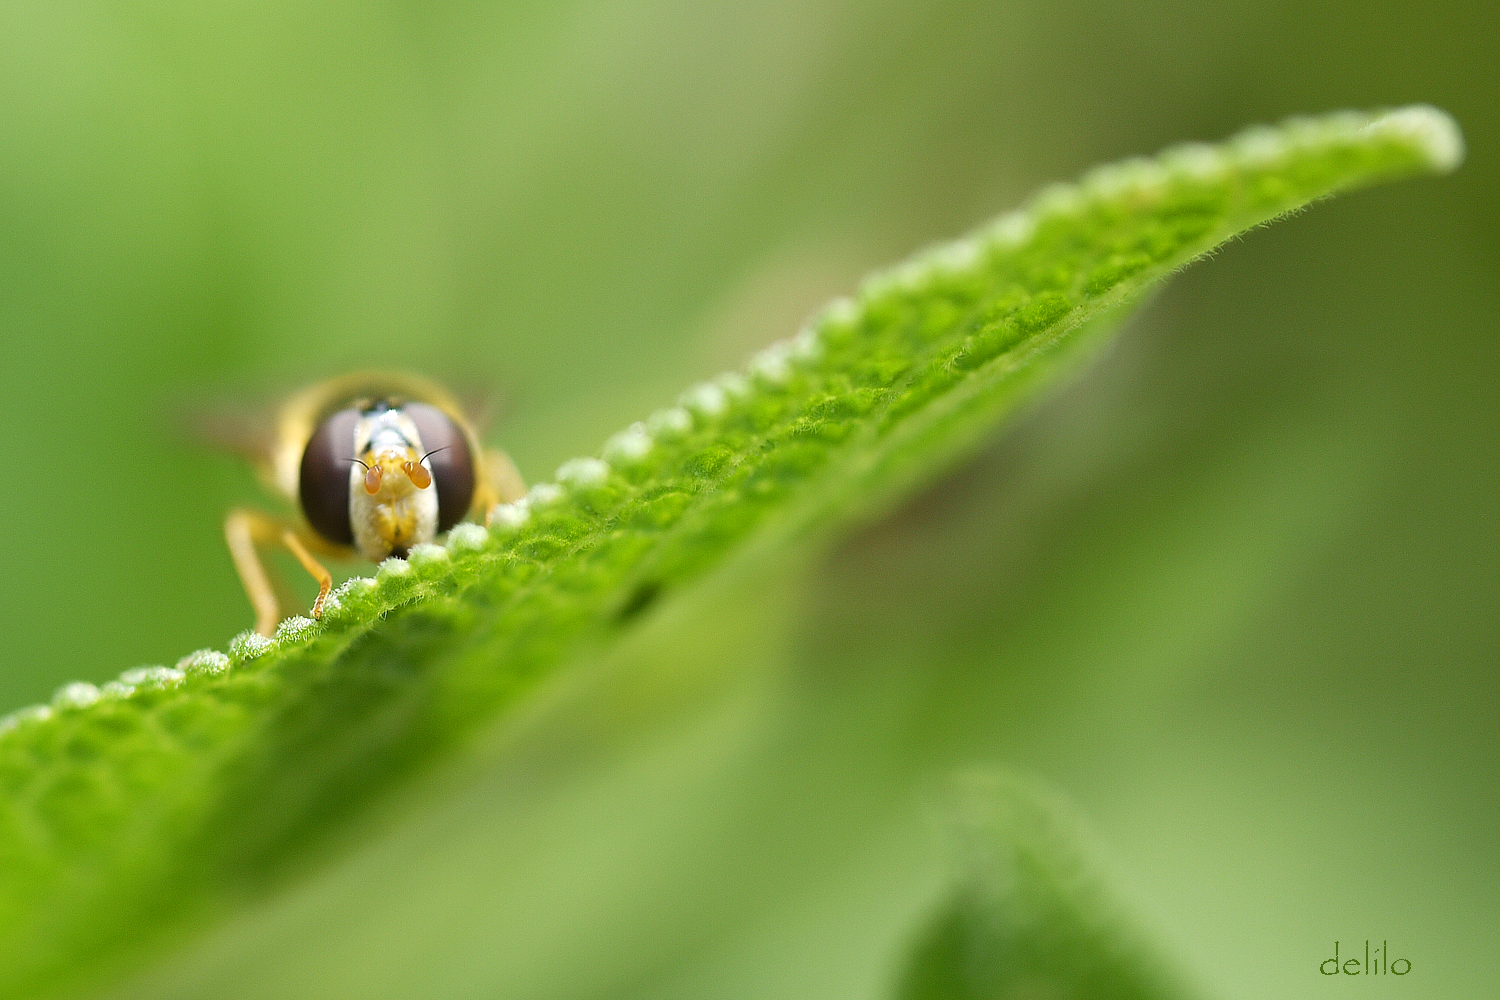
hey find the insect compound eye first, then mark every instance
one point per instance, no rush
(452, 466)
(323, 482)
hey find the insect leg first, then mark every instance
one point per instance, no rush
(244, 529)
(500, 482)
(316, 569)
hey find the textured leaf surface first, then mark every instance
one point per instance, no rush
(131, 814)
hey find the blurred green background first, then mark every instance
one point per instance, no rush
(1234, 589)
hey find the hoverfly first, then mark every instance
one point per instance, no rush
(377, 463)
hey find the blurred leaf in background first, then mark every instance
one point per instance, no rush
(1027, 915)
(1234, 590)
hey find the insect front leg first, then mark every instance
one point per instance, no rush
(318, 571)
(500, 482)
(245, 530)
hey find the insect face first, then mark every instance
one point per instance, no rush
(384, 478)
(391, 503)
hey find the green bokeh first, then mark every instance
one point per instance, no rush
(1234, 590)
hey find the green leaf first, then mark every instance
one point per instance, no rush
(134, 815)
(1029, 915)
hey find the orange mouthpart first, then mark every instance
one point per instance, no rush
(372, 480)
